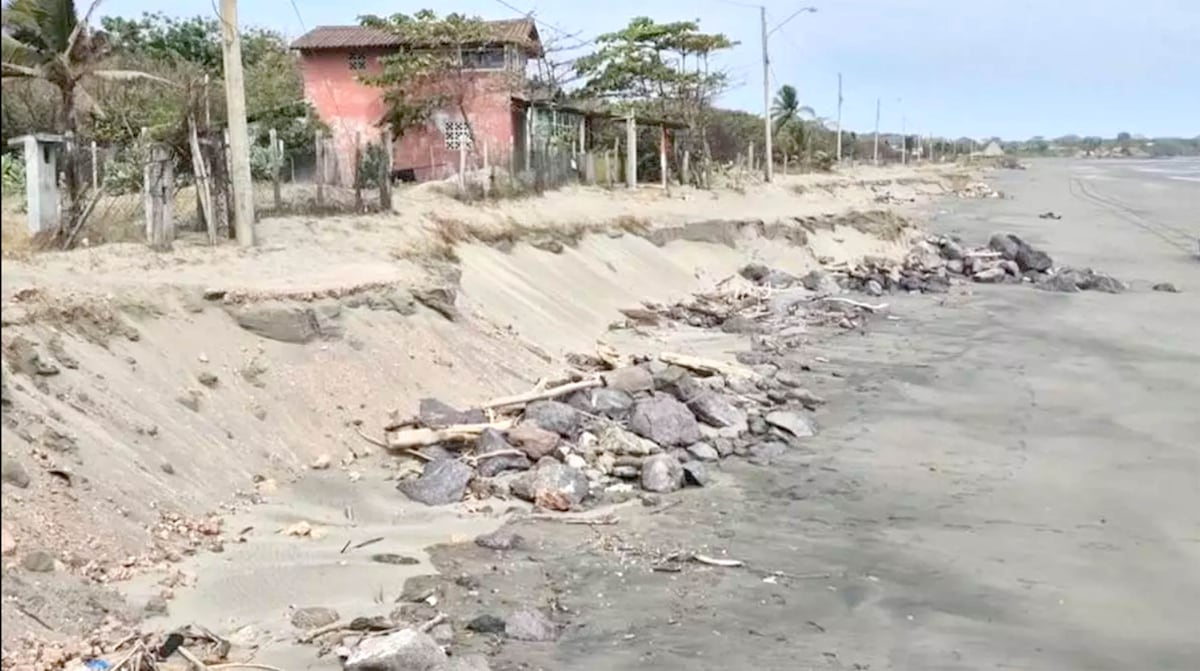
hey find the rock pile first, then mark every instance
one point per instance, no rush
(653, 425)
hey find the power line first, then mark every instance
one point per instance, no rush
(545, 24)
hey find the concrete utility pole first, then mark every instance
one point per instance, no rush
(768, 164)
(877, 131)
(239, 135)
(839, 120)
(768, 156)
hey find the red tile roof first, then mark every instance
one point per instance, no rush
(521, 32)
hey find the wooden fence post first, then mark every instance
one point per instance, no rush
(750, 156)
(631, 152)
(95, 168)
(685, 172)
(320, 169)
(662, 154)
(385, 171)
(462, 164)
(358, 201)
(160, 185)
(276, 161)
(203, 183)
(227, 156)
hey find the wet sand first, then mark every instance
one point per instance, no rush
(1004, 480)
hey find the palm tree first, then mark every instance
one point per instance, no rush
(786, 108)
(45, 40)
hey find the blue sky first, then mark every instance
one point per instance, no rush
(1014, 68)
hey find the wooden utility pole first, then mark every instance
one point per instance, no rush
(239, 134)
(839, 120)
(769, 171)
(877, 131)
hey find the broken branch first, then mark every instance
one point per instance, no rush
(858, 304)
(536, 395)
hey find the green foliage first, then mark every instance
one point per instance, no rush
(195, 40)
(13, 168)
(370, 165)
(123, 172)
(666, 63)
(428, 74)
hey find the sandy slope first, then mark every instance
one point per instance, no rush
(139, 336)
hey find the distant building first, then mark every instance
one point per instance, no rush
(992, 149)
(334, 57)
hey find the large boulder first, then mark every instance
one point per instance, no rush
(716, 410)
(1007, 244)
(441, 482)
(630, 379)
(553, 416)
(552, 485)
(288, 322)
(795, 423)
(603, 401)
(405, 650)
(821, 282)
(615, 440)
(533, 440)
(1028, 258)
(662, 473)
(665, 421)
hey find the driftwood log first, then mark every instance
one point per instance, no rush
(538, 395)
(408, 438)
(708, 366)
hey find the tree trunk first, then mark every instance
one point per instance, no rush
(69, 124)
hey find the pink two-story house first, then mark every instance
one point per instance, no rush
(334, 58)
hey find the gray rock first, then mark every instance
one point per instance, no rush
(1064, 281)
(533, 440)
(820, 282)
(758, 425)
(440, 299)
(1010, 267)
(1008, 245)
(38, 561)
(630, 379)
(703, 452)
(530, 625)
(603, 401)
(434, 413)
(405, 650)
(553, 416)
(873, 288)
(466, 663)
(493, 466)
(487, 624)
(12, 472)
(695, 473)
(716, 410)
(1028, 258)
(492, 440)
(1081, 279)
(665, 421)
(615, 440)
(762, 454)
(954, 266)
(441, 482)
(1105, 283)
(286, 322)
(990, 275)
(741, 324)
(790, 378)
(155, 605)
(1166, 287)
(436, 453)
(795, 423)
(723, 446)
(500, 539)
(552, 485)
(951, 250)
(741, 385)
(312, 617)
(662, 473)
(444, 634)
(807, 398)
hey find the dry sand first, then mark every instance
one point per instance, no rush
(113, 418)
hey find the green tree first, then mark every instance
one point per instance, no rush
(661, 69)
(786, 108)
(429, 73)
(44, 40)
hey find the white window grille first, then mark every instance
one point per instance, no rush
(458, 134)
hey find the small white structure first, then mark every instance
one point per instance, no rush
(993, 149)
(41, 179)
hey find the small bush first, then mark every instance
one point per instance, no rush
(13, 167)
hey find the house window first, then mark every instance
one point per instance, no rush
(489, 58)
(458, 134)
(358, 61)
